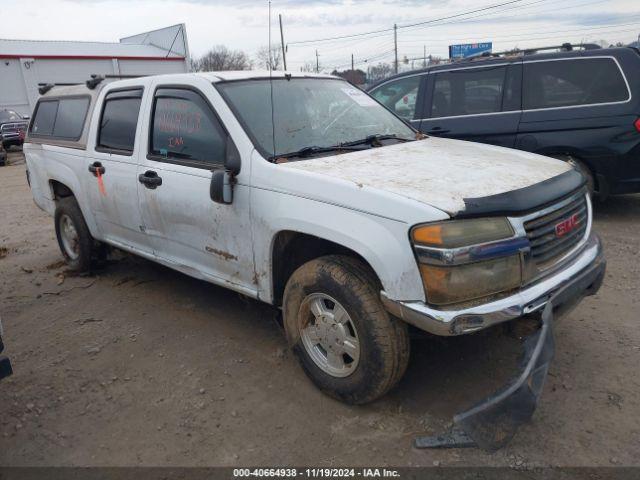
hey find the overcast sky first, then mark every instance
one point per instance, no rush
(244, 24)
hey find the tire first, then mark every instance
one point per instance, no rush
(77, 250)
(342, 285)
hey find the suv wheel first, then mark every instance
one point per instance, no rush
(345, 341)
(75, 242)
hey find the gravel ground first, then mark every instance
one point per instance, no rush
(140, 365)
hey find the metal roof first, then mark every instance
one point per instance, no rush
(80, 50)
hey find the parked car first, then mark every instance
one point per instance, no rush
(12, 127)
(581, 106)
(3, 154)
(5, 363)
(338, 212)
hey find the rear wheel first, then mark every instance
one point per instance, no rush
(345, 341)
(74, 239)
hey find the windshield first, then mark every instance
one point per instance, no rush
(9, 116)
(308, 112)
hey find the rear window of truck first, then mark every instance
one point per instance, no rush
(60, 118)
(576, 82)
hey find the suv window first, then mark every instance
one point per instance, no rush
(120, 120)
(185, 128)
(62, 118)
(399, 96)
(564, 83)
(468, 92)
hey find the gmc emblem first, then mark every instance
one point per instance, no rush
(567, 225)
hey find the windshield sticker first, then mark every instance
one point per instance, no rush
(360, 97)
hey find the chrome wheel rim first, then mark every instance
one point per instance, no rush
(329, 335)
(69, 237)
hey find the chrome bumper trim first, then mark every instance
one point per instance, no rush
(581, 277)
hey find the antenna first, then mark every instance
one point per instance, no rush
(273, 122)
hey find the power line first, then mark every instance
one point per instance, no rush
(489, 7)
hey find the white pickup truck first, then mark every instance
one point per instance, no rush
(303, 192)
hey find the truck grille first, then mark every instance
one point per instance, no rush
(556, 233)
(13, 127)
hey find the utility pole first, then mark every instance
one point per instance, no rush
(317, 63)
(395, 43)
(284, 53)
(352, 62)
(424, 57)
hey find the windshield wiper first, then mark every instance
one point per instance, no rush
(377, 139)
(313, 150)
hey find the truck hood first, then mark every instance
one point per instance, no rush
(438, 172)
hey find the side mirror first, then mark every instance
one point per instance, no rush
(222, 187)
(222, 181)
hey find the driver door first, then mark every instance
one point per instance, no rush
(186, 143)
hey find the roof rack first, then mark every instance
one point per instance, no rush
(91, 84)
(98, 79)
(565, 47)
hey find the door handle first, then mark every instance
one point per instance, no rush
(150, 179)
(95, 168)
(438, 131)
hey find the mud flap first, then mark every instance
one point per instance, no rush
(493, 422)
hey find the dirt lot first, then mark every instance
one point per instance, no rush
(140, 365)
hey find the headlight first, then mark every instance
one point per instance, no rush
(460, 233)
(463, 260)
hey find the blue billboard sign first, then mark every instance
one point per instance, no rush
(469, 49)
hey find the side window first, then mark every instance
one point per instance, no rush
(468, 92)
(119, 121)
(185, 128)
(70, 119)
(44, 118)
(400, 96)
(63, 118)
(565, 83)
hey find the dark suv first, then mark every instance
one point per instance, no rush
(582, 106)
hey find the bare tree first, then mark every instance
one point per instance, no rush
(269, 59)
(308, 67)
(380, 71)
(221, 58)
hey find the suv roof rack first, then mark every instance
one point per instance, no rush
(565, 47)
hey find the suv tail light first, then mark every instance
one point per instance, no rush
(637, 124)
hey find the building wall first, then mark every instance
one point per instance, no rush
(13, 92)
(20, 78)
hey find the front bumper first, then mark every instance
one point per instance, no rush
(582, 277)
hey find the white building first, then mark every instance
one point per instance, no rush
(25, 65)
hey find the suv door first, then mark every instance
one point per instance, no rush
(480, 104)
(581, 106)
(402, 96)
(186, 143)
(111, 168)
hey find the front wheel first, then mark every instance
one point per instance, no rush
(345, 341)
